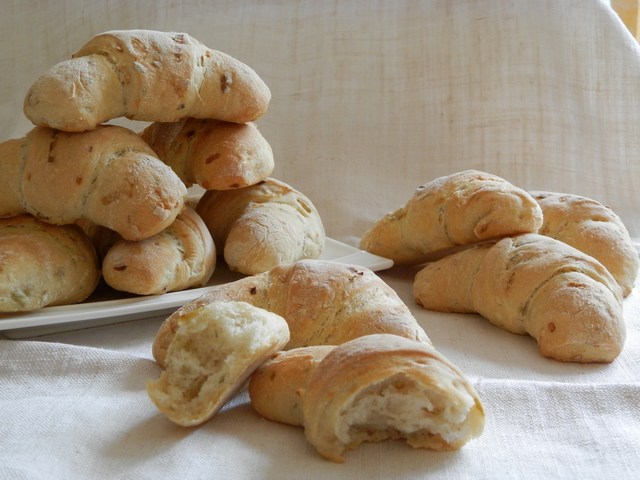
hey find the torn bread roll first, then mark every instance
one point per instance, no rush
(181, 256)
(370, 389)
(262, 226)
(323, 302)
(536, 285)
(592, 228)
(212, 154)
(108, 176)
(145, 75)
(212, 354)
(451, 212)
(44, 265)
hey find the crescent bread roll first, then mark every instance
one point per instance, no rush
(262, 226)
(381, 387)
(145, 75)
(108, 176)
(213, 154)
(214, 351)
(181, 256)
(276, 388)
(592, 228)
(536, 285)
(449, 212)
(323, 302)
(44, 265)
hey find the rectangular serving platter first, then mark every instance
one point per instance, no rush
(108, 306)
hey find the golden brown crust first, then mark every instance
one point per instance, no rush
(145, 75)
(10, 175)
(213, 154)
(181, 256)
(262, 226)
(380, 387)
(533, 284)
(109, 176)
(44, 265)
(276, 388)
(592, 228)
(323, 302)
(459, 209)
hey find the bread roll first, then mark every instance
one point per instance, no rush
(277, 387)
(181, 256)
(213, 154)
(449, 212)
(592, 228)
(145, 75)
(262, 226)
(385, 387)
(108, 176)
(536, 285)
(323, 302)
(44, 265)
(213, 352)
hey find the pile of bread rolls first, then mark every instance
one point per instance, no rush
(554, 266)
(119, 199)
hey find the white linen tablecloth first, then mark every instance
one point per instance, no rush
(74, 405)
(370, 99)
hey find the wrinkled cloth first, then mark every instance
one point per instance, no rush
(70, 408)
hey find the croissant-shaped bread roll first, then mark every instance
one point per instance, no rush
(213, 352)
(44, 265)
(179, 257)
(323, 302)
(452, 211)
(592, 228)
(375, 388)
(536, 285)
(109, 176)
(145, 75)
(213, 154)
(262, 226)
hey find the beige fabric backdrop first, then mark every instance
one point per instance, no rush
(372, 98)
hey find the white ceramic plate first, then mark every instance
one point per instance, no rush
(112, 307)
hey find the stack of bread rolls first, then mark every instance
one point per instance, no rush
(128, 191)
(554, 266)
